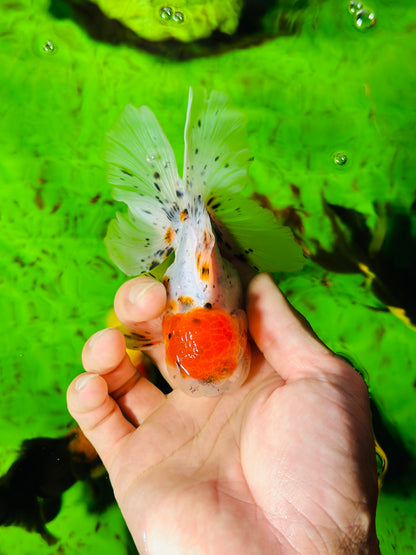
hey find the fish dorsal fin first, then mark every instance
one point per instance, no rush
(216, 147)
(142, 168)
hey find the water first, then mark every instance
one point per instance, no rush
(328, 92)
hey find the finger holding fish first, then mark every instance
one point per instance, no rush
(105, 355)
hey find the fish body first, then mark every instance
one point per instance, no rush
(204, 221)
(204, 328)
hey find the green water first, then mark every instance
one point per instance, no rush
(331, 111)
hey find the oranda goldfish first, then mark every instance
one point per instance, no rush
(204, 220)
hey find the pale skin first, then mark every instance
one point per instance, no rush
(285, 464)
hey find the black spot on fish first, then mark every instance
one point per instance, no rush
(154, 264)
(179, 194)
(211, 200)
(250, 159)
(156, 175)
(157, 186)
(226, 165)
(215, 206)
(199, 123)
(196, 151)
(240, 256)
(248, 251)
(127, 173)
(208, 305)
(216, 159)
(147, 211)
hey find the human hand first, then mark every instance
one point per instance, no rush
(285, 464)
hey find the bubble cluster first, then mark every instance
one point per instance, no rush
(340, 158)
(168, 14)
(364, 18)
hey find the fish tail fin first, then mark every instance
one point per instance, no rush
(217, 158)
(216, 147)
(142, 168)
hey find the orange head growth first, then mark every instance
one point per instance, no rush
(205, 343)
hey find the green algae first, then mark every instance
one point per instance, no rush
(185, 20)
(319, 88)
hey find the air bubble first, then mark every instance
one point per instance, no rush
(44, 47)
(178, 17)
(340, 158)
(166, 13)
(355, 6)
(364, 19)
(151, 157)
(49, 47)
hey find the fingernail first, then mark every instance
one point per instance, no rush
(96, 335)
(139, 290)
(83, 380)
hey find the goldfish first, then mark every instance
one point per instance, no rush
(32, 488)
(192, 227)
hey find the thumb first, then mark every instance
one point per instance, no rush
(285, 339)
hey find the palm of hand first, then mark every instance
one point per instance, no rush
(255, 471)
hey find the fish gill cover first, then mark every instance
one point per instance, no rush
(330, 105)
